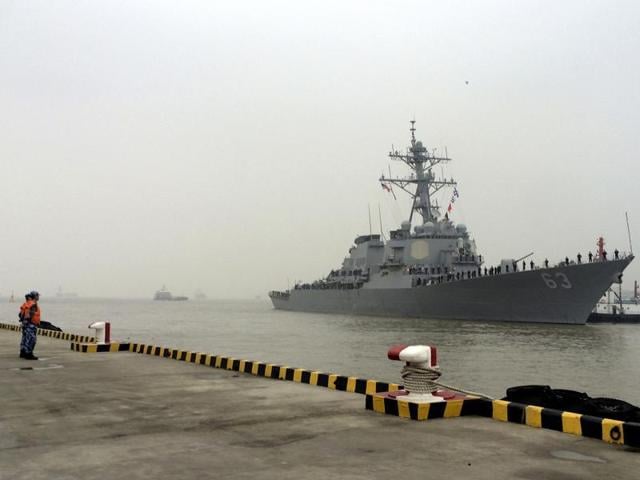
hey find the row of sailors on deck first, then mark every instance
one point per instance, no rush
(417, 269)
(348, 273)
(321, 285)
(449, 277)
(468, 258)
(440, 273)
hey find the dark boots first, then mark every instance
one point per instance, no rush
(28, 356)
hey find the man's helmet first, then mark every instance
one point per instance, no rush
(35, 295)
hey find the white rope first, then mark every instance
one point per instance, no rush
(460, 390)
(419, 380)
(422, 380)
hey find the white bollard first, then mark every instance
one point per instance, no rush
(103, 331)
(423, 361)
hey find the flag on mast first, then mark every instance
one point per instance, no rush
(453, 199)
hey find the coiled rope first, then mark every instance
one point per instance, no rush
(422, 380)
(419, 380)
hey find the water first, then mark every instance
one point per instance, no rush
(601, 360)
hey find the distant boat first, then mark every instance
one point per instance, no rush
(200, 295)
(164, 294)
(617, 311)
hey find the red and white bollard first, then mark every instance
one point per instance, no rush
(103, 332)
(419, 371)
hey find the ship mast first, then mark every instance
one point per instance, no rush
(422, 184)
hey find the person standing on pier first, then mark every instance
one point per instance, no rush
(30, 319)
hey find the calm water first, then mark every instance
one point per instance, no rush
(602, 360)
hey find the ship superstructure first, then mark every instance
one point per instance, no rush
(430, 267)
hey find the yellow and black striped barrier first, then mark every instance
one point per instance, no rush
(51, 333)
(606, 429)
(7, 326)
(100, 347)
(422, 411)
(300, 375)
(328, 380)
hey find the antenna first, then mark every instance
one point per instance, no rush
(629, 233)
(369, 210)
(380, 222)
(413, 132)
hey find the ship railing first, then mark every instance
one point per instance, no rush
(278, 294)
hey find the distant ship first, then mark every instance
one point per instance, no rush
(164, 294)
(199, 295)
(430, 267)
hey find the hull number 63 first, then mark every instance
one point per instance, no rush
(552, 281)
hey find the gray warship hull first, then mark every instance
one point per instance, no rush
(564, 294)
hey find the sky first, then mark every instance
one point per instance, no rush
(235, 147)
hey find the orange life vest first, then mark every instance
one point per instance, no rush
(23, 310)
(30, 311)
(35, 314)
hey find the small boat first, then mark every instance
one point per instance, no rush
(620, 311)
(164, 294)
(200, 295)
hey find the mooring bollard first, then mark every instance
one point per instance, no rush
(103, 332)
(419, 371)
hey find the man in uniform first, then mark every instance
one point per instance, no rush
(30, 319)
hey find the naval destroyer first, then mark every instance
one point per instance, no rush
(434, 270)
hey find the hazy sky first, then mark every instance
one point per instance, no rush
(234, 146)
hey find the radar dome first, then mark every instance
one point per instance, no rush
(418, 229)
(461, 228)
(406, 225)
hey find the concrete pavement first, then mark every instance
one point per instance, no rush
(90, 416)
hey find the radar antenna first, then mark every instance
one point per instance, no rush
(422, 184)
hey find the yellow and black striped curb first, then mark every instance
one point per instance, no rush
(606, 429)
(267, 370)
(422, 411)
(51, 333)
(260, 369)
(100, 347)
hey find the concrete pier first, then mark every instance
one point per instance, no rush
(89, 416)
